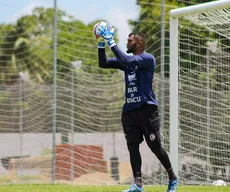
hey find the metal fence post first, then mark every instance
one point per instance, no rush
(54, 91)
(162, 87)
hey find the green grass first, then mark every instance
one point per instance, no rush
(71, 188)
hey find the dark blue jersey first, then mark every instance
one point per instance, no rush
(138, 70)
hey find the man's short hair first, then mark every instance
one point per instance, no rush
(138, 35)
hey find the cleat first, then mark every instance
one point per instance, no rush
(134, 188)
(172, 186)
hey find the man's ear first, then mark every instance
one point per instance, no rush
(140, 43)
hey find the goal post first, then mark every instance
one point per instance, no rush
(191, 31)
(174, 114)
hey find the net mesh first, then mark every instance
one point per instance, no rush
(88, 135)
(204, 89)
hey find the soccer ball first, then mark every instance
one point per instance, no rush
(101, 23)
(219, 183)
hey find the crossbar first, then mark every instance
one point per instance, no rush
(204, 7)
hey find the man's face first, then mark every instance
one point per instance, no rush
(131, 44)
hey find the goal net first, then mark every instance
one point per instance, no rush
(203, 85)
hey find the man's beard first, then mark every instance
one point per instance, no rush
(131, 50)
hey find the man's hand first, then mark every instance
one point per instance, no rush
(106, 32)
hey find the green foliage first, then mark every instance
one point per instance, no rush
(28, 45)
(149, 23)
(3, 95)
(191, 2)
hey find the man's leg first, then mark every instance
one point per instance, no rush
(164, 159)
(133, 137)
(149, 119)
(135, 160)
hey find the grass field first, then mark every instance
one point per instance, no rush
(69, 188)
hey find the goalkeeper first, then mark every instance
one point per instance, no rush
(140, 112)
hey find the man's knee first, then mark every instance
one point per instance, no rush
(155, 148)
(154, 141)
(132, 147)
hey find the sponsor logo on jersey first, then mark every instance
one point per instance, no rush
(132, 77)
(133, 100)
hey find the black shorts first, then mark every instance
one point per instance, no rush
(143, 121)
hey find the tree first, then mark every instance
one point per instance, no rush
(27, 45)
(149, 23)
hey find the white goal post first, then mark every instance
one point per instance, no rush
(175, 16)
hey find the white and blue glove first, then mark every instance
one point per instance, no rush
(106, 32)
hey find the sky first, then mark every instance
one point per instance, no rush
(117, 12)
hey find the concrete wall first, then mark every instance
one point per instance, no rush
(34, 143)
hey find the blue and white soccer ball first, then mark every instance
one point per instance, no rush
(219, 183)
(101, 23)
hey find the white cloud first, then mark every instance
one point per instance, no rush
(119, 18)
(88, 15)
(27, 10)
(116, 16)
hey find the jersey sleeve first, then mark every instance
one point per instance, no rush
(145, 61)
(105, 62)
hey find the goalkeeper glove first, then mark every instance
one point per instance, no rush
(107, 32)
(101, 43)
